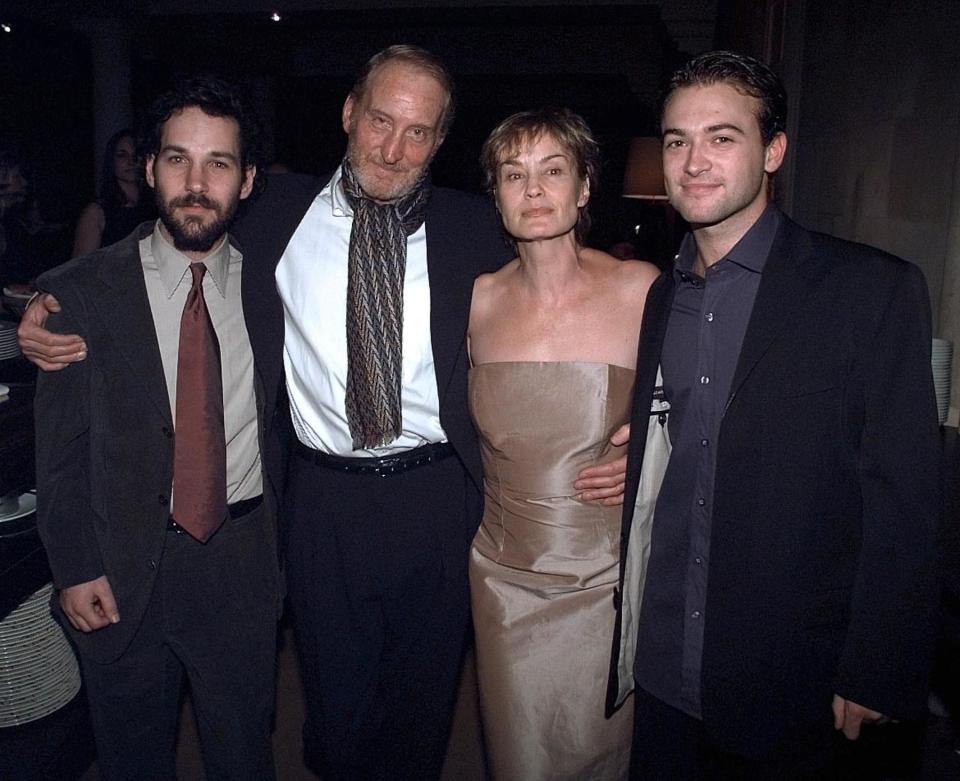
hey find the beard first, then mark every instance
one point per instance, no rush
(191, 233)
(375, 180)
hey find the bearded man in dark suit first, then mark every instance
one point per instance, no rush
(161, 544)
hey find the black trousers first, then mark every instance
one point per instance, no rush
(213, 615)
(669, 745)
(377, 580)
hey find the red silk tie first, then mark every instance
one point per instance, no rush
(200, 450)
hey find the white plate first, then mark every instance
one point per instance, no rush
(26, 504)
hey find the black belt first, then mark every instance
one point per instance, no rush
(235, 510)
(381, 467)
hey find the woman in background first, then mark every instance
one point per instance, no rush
(553, 343)
(122, 203)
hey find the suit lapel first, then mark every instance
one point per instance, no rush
(127, 315)
(262, 236)
(788, 277)
(451, 288)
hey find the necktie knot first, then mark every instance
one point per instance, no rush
(197, 270)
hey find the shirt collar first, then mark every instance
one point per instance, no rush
(334, 195)
(174, 266)
(750, 252)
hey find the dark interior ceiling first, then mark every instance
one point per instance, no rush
(603, 60)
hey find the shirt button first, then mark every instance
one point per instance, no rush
(701, 502)
(704, 443)
(709, 317)
(695, 614)
(698, 559)
(704, 380)
(162, 500)
(152, 564)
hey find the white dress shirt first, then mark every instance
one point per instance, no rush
(166, 272)
(312, 281)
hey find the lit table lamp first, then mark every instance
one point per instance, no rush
(643, 177)
(643, 181)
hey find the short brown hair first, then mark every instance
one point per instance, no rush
(567, 128)
(416, 57)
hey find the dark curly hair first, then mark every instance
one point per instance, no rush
(213, 96)
(746, 75)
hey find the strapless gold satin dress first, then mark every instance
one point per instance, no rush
(543, 567)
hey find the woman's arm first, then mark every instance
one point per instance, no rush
(89, 230)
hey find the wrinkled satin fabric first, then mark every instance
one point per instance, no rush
(543, 567)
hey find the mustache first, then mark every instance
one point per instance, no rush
(195, 199)
(399, 168)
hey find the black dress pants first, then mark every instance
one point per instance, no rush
(377, 579)
(213, 615)
(669, 745)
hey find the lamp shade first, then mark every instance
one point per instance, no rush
(643, 177)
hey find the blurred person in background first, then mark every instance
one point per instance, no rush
(122, 203)
(28, 243)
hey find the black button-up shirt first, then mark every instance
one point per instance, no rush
(701, 347)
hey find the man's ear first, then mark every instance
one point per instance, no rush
(249, 174)
(148, 170)
(348, 106)
(775, 152)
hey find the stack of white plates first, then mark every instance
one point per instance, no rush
(8, 340)
(38, 671)
(941, 360)
(17, 513)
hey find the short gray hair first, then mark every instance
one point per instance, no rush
(418, 58)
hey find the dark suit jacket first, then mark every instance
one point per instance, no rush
(827, 495)
(464, 239)
(105, 440)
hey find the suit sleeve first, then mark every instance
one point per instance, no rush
(65, 516)
(886, 657)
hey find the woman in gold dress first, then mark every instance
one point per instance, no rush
(553, 343)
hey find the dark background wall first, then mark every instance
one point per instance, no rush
(874, 91)
(603, 60)
(879, 132)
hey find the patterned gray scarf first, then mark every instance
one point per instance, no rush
(377, 262)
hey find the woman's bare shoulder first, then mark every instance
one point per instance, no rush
(639, 272)
(93, 211)
(89, 230)
(489, 284)
(634, 273)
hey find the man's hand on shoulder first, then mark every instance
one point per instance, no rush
(50, 351)
(849, 717)
(605, 482)
(90, 606)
